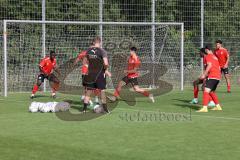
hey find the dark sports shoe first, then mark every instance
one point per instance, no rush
(54, 96)
(84, 110)
(32, 96)
(106, 109)
(112, 98)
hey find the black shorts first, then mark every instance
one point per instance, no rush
(41, 77)
(224, 70)
(99, 83)
(51, 77)
(198, 81)
(132, 81)
(212, 84)
(83, 83)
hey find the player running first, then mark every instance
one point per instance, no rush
(199, 81)
(213, 73)
(97, 61)
(46, 67)
(131, 77)
(223, 58)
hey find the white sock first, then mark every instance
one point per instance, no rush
(96, 99)
(82, 97)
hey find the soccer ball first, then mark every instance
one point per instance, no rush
(98, 109)
(33, 107)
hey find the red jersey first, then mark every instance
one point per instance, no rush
(85, 69)
(80, 56)
(133, 63)
(222, 55)
(214, 72)
(47, 65)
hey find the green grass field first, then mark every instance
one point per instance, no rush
(43, 136)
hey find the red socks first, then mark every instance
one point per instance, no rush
(35, 89)
(146, 93)
(214, 97)
(116, 93)
(205, 98)
(228, 87)
(195, 91)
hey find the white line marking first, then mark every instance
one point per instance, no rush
(214, 117)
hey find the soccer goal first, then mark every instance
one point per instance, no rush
(26, 42)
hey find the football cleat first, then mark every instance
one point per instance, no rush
(32, 96)
(151, 98)
(204, 109)
(217, 108)
(112, 98)
(194, 101)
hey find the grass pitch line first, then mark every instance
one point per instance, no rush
(213, 117)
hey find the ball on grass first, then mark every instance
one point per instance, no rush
(98, 109)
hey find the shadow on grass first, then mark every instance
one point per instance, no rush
(186, 104)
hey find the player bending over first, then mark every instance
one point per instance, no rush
(97, 61)
(213, 73)
(223, 58)
(131, 77)
(46, 66)
(199, 81)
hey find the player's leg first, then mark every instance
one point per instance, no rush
(122, 83)
(227, 78)
(39, 81)
(84, 87)
(116, 94)
(196, 90)
(211, 85)
(86, 99)
(104, 101)
(214, 97)
(136, 87)
(97, 95)
(205, 100)
(54, 84)
(84, 84)
(101, 86)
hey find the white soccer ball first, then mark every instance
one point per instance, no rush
(34, 107)
(98, 108)
(46, 109)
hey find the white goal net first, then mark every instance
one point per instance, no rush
(26, 42)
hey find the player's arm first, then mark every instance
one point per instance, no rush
(79, 57)
(105, 62)
(41, 65)
(106, 65)
(205, 73)
(56, 69)
(228, 57)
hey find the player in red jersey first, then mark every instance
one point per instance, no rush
(199, 81)
(213, 73)
(46, 67)
(131, 77)
(223, 58)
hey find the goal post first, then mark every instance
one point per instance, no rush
(23, 37)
